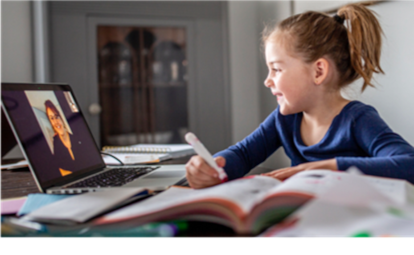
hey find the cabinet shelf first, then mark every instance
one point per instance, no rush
(142, 81)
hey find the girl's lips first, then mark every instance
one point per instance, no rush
(278, 96)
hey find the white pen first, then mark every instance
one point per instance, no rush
(203, 152)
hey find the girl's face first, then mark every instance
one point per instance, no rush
(56, 122)
(289, 79)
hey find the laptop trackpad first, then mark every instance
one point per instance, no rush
(165, 174)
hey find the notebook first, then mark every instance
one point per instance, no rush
(146, 153)
(57, 143)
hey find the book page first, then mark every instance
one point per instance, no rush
(311, 182)
(317, 182)
(319, 218)
(395, 189)
(245, 192)
(356, 204)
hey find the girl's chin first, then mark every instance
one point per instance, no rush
(285, 111)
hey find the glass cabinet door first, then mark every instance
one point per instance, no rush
(142, 84)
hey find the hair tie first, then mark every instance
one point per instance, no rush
(339, 19)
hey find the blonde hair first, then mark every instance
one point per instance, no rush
(355, 50)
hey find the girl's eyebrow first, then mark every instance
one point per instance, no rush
(276, 61)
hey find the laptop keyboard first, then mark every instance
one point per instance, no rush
(113, 178)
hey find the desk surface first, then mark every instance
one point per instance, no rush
(19, 183)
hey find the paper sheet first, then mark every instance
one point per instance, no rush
(16, 165)
(83, 207)
(12, 206)
(36, 201)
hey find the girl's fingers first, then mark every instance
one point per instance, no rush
(197, 183)
(199, 174)
(274, 172)
(194, 172)
(200, 164)
(283, 173)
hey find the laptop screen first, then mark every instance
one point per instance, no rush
(52, 130)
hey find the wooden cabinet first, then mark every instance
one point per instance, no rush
(142, 84)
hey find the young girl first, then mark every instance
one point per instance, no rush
(311, 57)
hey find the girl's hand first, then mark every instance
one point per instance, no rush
(199, 174)
(284, 173)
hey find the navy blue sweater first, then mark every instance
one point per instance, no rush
(357, 137)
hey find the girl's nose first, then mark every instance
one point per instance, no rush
(268, 82)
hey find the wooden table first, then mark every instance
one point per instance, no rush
(17, 183)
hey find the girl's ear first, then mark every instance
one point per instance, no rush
(321, 68)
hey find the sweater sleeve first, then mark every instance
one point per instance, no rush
(252, 150)
(389, 155)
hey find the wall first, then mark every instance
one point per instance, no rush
(244, 68)
(252, 102)
(393, 97)
(304, 5)
(16, 42)
(270, 13)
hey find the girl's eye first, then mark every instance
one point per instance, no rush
(274, 70)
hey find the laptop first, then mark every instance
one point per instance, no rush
(8, 142)
(57, 143)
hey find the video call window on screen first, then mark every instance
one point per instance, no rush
(56, 138)
(49, 114)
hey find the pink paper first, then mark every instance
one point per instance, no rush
(12, 206)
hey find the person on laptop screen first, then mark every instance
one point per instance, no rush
(53, 131)
(61, 131)
(61, 140)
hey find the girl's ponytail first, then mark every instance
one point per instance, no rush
(364, 36)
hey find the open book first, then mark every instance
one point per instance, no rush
(251, 204)
(146, 153)
(248, 205)
(357, 205)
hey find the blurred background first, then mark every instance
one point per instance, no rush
(148, 72)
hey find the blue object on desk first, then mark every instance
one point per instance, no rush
(153, 229)
(35, 201)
